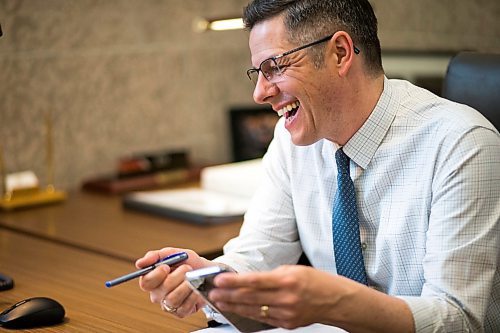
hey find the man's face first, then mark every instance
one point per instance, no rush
(308, 91)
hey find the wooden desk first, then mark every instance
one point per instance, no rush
(98, 223)
(75, 278)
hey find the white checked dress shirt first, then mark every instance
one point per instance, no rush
(427, 179)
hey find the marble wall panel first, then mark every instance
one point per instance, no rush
(125, 76)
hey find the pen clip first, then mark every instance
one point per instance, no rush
(180, 255)
(168, 257)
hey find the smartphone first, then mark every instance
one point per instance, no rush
(202, 281)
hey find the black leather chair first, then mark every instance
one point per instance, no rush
(474, 79)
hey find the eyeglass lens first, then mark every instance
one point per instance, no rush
(269, 68)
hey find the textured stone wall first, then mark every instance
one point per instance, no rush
(125, 76)
(439, 24)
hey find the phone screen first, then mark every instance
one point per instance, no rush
(201, 281)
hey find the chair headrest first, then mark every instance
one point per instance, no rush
(474, 79)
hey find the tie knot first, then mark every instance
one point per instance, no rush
(342, 161)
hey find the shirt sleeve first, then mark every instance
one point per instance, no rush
(268, 237)
(463, 237)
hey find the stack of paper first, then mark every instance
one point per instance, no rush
(224, 195)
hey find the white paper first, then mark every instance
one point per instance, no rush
(21, 180)
(237, 179)
(315, 328)
(195, 200)
(226, 191)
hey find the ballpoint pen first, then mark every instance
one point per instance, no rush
(170, 260)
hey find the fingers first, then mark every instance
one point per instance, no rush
(273, 297)
(152, 257)
(275, 306)
(274, 315)
(265, 313)
(244, 297)
(183, 299)
(168, 288)
(248, 288)
(175, 293)
(166, 285)
(154, 279)
(261, 280)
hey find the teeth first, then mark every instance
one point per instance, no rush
(287, 108)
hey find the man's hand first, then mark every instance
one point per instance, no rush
(296, 296)
(166, 285)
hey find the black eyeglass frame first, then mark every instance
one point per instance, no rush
(252, 70)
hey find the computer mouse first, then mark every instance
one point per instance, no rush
(32, 312)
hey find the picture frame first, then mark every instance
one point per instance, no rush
(252, 129)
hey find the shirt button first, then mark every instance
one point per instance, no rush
(364, 246)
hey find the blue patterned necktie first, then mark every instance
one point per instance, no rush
(346, 241)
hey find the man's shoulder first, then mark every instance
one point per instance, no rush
(421, 107)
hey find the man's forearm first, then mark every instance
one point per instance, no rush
(363, 309)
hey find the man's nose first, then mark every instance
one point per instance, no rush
(264, 90)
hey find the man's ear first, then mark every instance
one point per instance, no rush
(343, 47)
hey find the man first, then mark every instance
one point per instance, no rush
(426, 176)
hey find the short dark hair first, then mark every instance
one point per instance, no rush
(306, 20)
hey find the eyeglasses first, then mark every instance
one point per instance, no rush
(272, 69)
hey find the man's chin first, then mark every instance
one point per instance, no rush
(299, 140)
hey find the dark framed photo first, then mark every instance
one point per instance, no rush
(252, 129)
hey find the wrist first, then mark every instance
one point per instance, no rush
(359, 308)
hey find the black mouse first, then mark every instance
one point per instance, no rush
(32, 312)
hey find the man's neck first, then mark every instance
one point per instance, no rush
(361, 102)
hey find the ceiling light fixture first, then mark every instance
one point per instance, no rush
(201, 24)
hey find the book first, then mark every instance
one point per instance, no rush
(224, 195)
(145, 171)
(118, 185)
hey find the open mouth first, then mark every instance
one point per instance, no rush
(290, 110)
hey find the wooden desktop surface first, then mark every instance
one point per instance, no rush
(75, 278)
(98, 223)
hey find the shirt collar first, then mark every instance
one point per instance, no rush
(365, 142)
